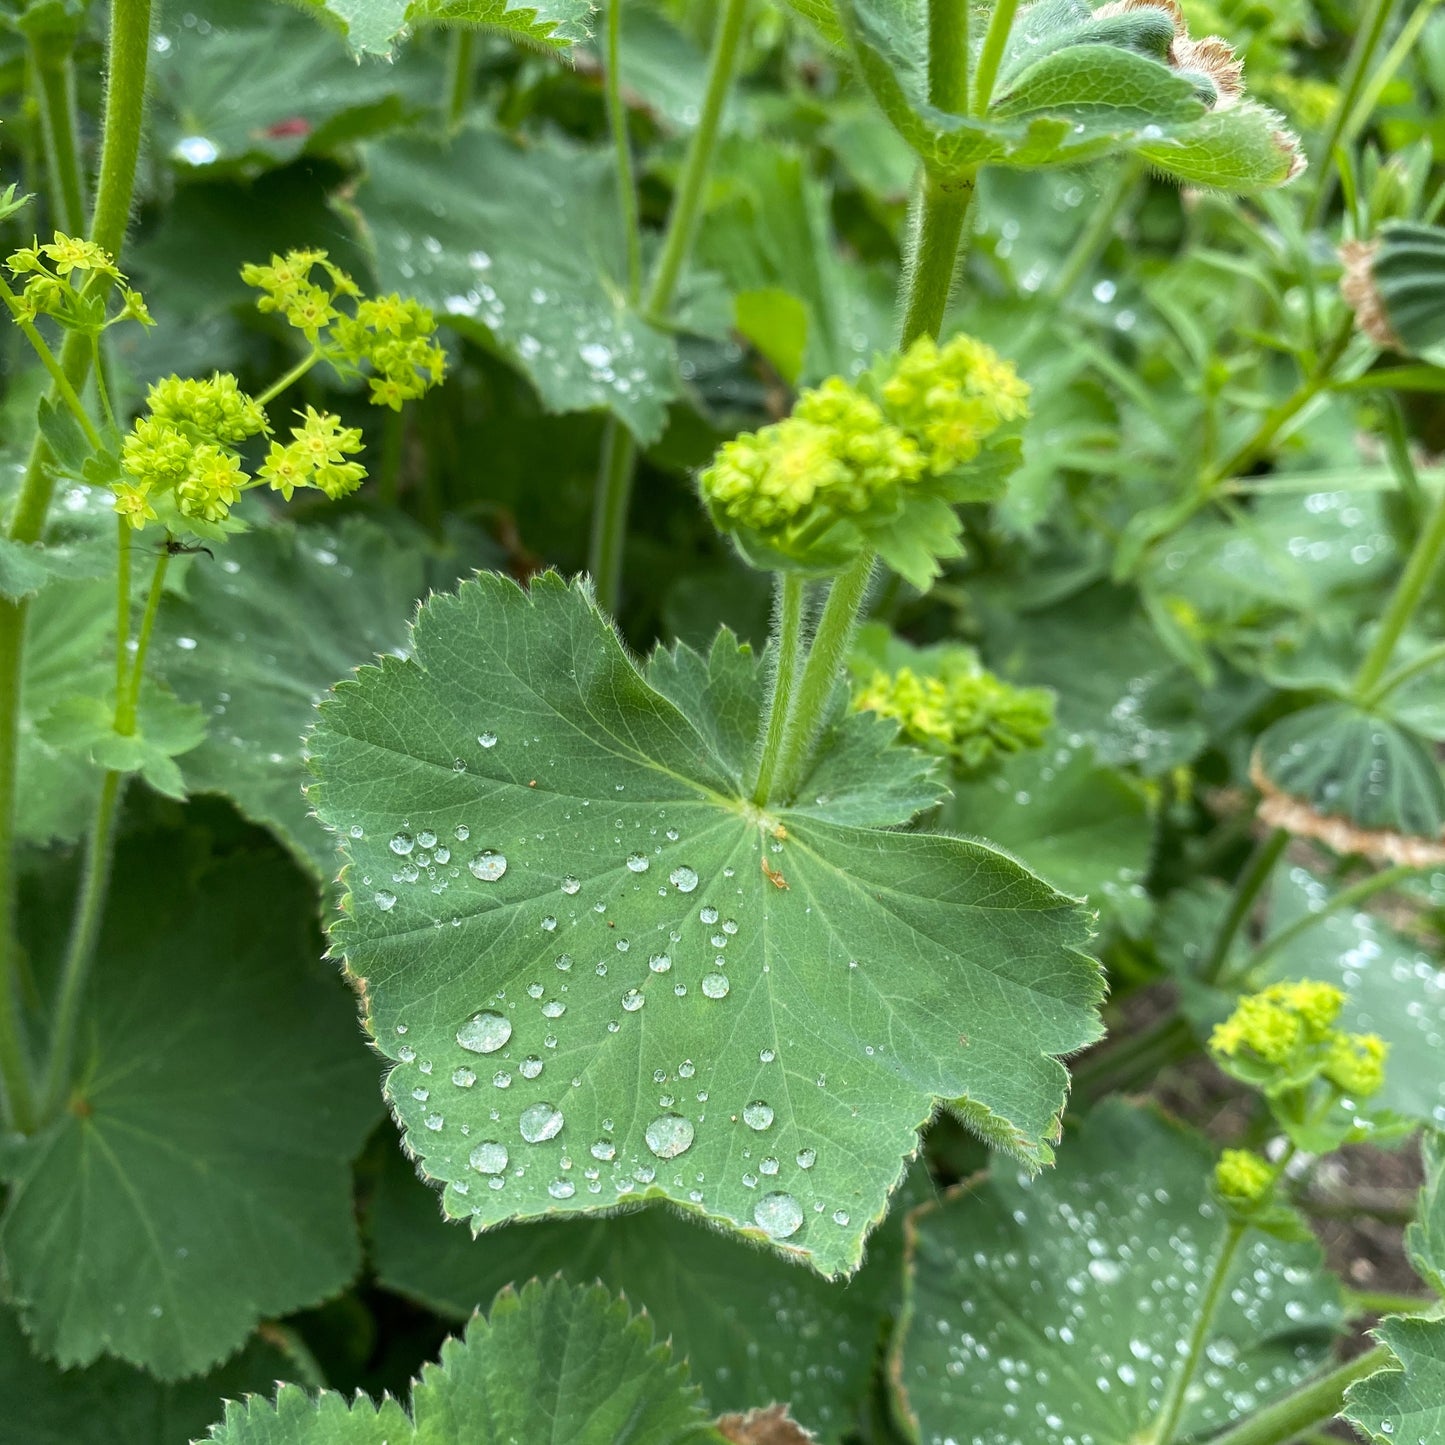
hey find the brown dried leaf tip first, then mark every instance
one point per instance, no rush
(1357, 286)
(771, 1426)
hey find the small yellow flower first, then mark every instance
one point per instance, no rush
(1356, 1064)
(72, 253)
(1242, 1178)
(285, 469)
(132, 502)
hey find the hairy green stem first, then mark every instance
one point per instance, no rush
(122, 603)
(1173, 1406)
(1362, 54)
(1133, 1060)
(288, 378)
(622, 150)
(95, 880)
(1256, 874)
(787, 646)
(618, 465)
(1345, 899)
(1419, 568)
(692, 184)
(995, 38)
(130, 27)
(1316, 1403)
(54, 73)
(826, 656)
(60, 382)
(939, 216)
(948, 55)
(460, 56)
(393, 444)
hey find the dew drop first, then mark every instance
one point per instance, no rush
(561, 1189)
(758, 1115)
(489, 1157)
(633, 1000)
(487, 740)
(660, 962)
(554, 1008)
(715, 985)
(385, 901)
(778, 1215)
(402, 844)
(682, 878)
(669, 1135)
(571, 885)
(637, 863)
(807, 1158)
(604, 1150)
(708, 914)
(540, 1121)
(484, 1033)
(488, 866)
(840, 1216)
(434, 1122)
(463, 1077)
(530, 1067)
(461, 832)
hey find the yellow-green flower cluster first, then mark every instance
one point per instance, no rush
(316, 457)
(1242, 1178)
(57, 273)
(390, 337)
(182, 455)
(953, 398)
(1289, 1029)
(961, 711)
(841, 471)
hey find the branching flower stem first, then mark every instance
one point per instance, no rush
(130, 29)
(618, 465)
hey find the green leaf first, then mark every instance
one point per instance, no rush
(1082, 1286)
(63, 435)
(373, 26)
(776, 322)
(165, 727)
(1085, 828)
(599, 913)
(1425, 1237)
(245, 84)
(111, 1402)
(1244, 149)
(260, 634)
(1393, 987)
(198, 1179)
(1408, 1403)
(518, 245)
(27, 568)
(552, 1362)
(751, 1326)
(1339, 762)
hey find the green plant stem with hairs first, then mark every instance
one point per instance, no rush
(130, 28)
(618, 464)
(787, 648)
(53, 70)
(460, 58)
(948, 55)
(990, 56)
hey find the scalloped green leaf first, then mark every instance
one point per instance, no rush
(1425, 1237)
(1086, 828)
(571, 925)
(1060, 1306)
(516, 244)
(1405, 1404)
(751, 1326)
(374, 26)
(258, 635)
(110, 1402)
(1343, 762)
(199, 1178)
(552, 1362)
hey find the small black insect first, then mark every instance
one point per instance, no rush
(173, 548)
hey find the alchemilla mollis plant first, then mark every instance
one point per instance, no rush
(721, 723)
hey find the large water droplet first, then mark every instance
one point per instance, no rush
(758, 1115)
(489, 1157)
(539, 1122)
(715, 985)
(669, 1135)
(488, 866)
(561, 1189)
(807, 1158)
(530, 1067)
(484, 1033)
(605, 1150)
(778, 1215)
(633, 1000)
(637, 863)
(683, 878)
(402, 844)
(487, 740)
(571, 885)
(463, 1077)
(660, 962)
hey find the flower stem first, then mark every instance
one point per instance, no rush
(948, 55)
(53, 68)
(619, 452)
(1409, 591)
(687, 204)
(130, 26)
(66, 392)
(459, 75)
(95, 880)
(1345, 899)
(122, 602)
(1173, 1406)
(1406, 672)
(1362, 54)
(941, 210)
(290, 377)
(826, 656)
(1256, 874)
(1316, 1403)
(787, 646)
(989, 58)
(622, 150)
